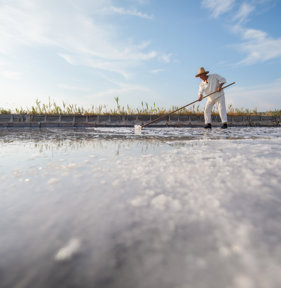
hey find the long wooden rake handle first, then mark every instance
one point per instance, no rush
(161, 117)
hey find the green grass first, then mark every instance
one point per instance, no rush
(242, 111)
(51, 108)
(5, 111)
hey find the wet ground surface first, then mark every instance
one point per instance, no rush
(164, 207)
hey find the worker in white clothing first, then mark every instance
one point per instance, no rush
(209, 84)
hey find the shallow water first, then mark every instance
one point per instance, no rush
(169, 207)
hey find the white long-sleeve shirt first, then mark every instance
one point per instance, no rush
(211, 85)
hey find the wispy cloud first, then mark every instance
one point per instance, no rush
(81, 35)
(130, 12)
(156, 71)
(244, 11)
(120, 62)
(67, 58)
(258, 45)
(218, 7)
(166, 58)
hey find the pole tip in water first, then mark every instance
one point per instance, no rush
(138, 127)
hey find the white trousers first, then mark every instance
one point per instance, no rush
(220, 101)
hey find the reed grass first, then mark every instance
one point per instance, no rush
(51, 108)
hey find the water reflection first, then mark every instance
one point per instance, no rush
(119, 141)
(166, 208)
(80, 135)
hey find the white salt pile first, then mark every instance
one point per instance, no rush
(138, 127)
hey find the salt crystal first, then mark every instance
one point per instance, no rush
(138, 127)
(68, 251)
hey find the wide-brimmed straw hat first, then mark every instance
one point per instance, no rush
(201, 71)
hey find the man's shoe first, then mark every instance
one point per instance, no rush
(224, 126)
(208, 126)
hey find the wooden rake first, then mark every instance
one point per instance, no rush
(139, 127)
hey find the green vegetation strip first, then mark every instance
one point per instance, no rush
(52, 108)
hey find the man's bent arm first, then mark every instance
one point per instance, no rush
(219, 87)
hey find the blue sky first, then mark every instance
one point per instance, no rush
(87, 52)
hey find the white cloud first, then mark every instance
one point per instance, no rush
(130, 12)
(258, 46)
(218, 7)
(244, 11)
(110, 65)
(77, 29)
(141, 1)
(156, 71)
(67, 58)
(253, 34)
(166, 58)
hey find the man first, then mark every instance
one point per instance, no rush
(209, 84)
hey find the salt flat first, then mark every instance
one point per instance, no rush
(106, 207)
